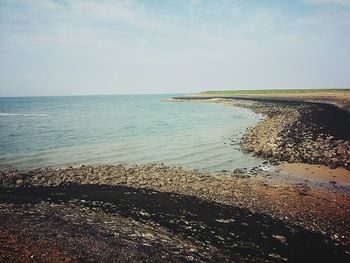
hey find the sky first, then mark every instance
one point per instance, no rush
(84, 47)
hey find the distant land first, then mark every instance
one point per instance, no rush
(313, 92)
(337, 96)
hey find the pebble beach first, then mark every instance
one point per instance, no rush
(160, 213)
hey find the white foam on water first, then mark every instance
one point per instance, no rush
(22, 114)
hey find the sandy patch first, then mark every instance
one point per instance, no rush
(316, 172)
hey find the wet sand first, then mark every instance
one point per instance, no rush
(314, 172)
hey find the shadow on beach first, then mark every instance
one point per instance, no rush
(235, 231)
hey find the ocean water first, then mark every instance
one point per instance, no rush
(130, 129)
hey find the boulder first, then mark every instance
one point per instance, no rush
(19, 182)
(342, 148)
(327, 154)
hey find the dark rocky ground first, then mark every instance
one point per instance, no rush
(94, 223)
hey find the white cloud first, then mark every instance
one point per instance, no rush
(127, 47)
(331, 2)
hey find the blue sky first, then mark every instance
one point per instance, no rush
(50, 47)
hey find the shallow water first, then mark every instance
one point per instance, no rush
(132, 129)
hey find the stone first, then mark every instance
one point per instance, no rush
(342, 149)
(327, 154)
(315, 154)
(334, 160)
(19, 182)
(338, 142)
(225, 221)
(281, 238)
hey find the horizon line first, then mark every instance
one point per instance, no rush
(136, 94)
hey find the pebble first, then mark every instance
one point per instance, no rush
(281, 238)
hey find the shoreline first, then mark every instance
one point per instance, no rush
(293, 131)
(157, 213)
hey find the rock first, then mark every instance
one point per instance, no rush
(19, 182)
(225, 221)
(282, 239)
(276, 256)
(315, 154)
(342, 149)
(334, 160)
(327, 141)
(338, 142)
(327, 154)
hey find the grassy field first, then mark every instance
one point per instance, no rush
(275, 92)
(339, 97)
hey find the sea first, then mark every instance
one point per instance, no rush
(122, 129)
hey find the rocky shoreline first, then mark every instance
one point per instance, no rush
(167, 214)
(294, 131)
(302, 133)
(156, 213)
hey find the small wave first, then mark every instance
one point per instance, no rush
(22, 114)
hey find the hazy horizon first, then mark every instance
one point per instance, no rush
(164, 93)
(63, 48)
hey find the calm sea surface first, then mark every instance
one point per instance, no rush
(135, 129)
